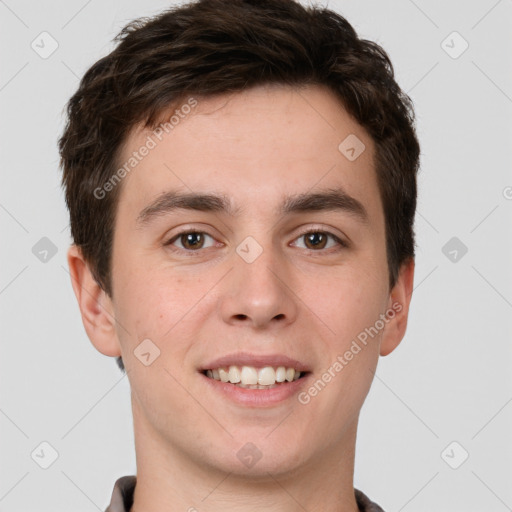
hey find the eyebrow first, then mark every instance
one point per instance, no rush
(173, 200)
(324, 200)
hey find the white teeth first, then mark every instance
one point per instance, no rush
(256, 386)
(281, 374)
(234, 374)
(267, 376)
(254, 378)
(249, 375)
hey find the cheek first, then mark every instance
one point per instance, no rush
(347, 300)
(160, 305)
(350, 304)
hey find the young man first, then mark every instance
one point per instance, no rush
(241, 180)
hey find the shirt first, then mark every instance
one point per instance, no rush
(122, 497)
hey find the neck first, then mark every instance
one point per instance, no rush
(170, 480)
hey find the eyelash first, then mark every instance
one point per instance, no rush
(342, 244)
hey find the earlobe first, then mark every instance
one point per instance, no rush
(95, 305)
(399, 300)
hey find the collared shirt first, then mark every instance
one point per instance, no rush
(122, 497)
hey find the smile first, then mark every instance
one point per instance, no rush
(252, 377)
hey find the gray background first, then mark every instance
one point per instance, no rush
(449, 380)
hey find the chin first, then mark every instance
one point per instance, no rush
(258, 458)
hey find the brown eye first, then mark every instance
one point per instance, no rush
(190, 240)
(318, 240)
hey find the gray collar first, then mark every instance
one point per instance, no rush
(122, 497)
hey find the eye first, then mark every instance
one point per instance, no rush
(190, 240)
(317, 240)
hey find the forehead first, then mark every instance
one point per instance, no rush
(253, 146)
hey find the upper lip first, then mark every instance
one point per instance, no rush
(259, 360)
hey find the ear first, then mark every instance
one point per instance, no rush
(95, 305)
(399, 300)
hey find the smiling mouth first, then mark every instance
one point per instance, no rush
(252, 377)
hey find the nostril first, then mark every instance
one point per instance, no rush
(240, 317)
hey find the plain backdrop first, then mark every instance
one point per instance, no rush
(436, 430)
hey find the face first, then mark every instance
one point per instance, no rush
(247, 238)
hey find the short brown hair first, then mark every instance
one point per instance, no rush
(210, 47)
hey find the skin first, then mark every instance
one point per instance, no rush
(255, 147)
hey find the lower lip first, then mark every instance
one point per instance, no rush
(257, 397)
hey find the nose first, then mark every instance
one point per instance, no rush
(259, 294)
